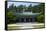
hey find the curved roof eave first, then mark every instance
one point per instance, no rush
(31, 14)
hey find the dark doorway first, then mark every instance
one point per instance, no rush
(27, 19)
(17, 20)
(22, 19)
(30, 19)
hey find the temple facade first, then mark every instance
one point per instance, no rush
(25, 16)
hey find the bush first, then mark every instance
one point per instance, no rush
(40, 18)
(11, 18)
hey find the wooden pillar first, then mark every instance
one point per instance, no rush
(33, 19)
(20, 20)
(29, 19)
(24, 19)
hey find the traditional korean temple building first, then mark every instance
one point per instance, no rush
(25, 16)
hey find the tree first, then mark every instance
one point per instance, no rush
(30, 7)
(20, 8)
(10, 17)
(39, 8)
(40, 18)
(42, 8)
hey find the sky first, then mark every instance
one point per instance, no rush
(21, 3)
(11, 0)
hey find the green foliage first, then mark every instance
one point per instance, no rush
(40, 18)
(11, 17)
(39, 9)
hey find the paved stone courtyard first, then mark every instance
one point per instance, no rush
(22, 26)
